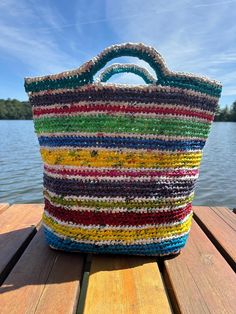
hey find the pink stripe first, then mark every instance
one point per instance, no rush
(117, 173)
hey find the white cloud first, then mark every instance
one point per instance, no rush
(220, 3)
(197, 37)
(23, 37)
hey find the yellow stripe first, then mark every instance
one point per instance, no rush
(129, 235)
(91, 158)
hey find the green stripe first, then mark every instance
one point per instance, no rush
(77, 81)
(122, 124)
(65, 82)
(199, 87)
(127, 205)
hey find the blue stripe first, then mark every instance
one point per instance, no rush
(165, 247)
(119, 142)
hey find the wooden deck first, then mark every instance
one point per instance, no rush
(36, 279)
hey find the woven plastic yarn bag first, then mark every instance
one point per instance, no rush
(121, 161)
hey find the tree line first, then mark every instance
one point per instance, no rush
(227, 114)
(13, 109)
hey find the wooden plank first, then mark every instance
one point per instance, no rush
(43, 281)
(3, 207)
(199, 280)
(17, 227)
(219, 223)
(227, 215)
(125, 285)
(224, 213)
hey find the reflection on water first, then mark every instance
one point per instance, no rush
(21, 167)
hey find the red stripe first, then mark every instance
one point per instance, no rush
(117, 173)
(108, 108)
(116, 219)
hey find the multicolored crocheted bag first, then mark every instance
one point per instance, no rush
(121, 161)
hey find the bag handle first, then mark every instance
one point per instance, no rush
(117, 68)
(139, 50)
(85, 74)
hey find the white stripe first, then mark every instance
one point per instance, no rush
(126, 135)
(62, 167)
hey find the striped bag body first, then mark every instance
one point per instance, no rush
(121, 161)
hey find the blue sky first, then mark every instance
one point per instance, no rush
(42, 37)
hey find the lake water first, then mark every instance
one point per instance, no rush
(21, 166)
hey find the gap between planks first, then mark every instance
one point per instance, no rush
(199, 280)
(219, 224)
(42, 281)
(18, 225)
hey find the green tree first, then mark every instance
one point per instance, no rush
(225, 114)
(233, 112)
(12, 109)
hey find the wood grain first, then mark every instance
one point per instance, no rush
(17, 226)
(219, 223)
(125, 285)
(43, 281)
(199, 280)
(3, 207)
